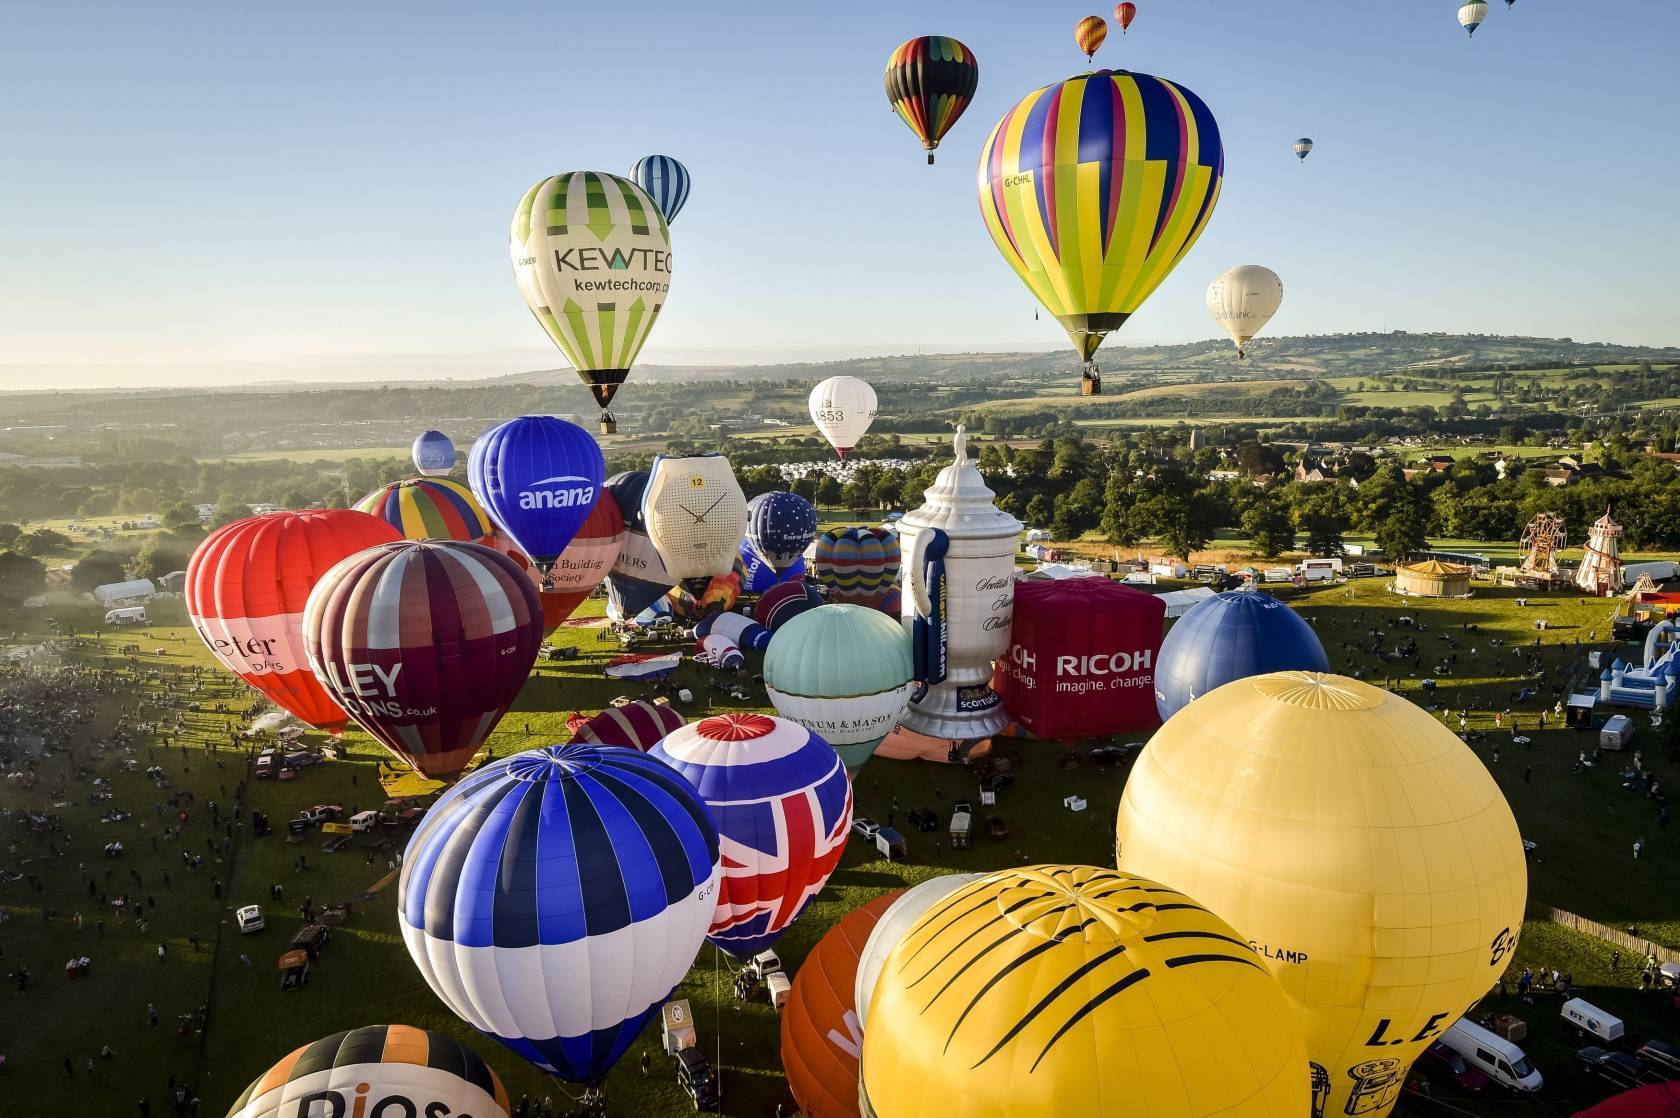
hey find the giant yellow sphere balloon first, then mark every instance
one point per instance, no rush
(1359, 846)
(1054, 991)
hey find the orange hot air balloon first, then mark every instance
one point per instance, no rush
(1124, 14)
(821, 1037)
(1089, 33)
(245, 589)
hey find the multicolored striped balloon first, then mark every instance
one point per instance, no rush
(429, 508)
(638, 725)
(858, 565)
(1095, 188)
(426, 645)
(783, 807)
(930, 80)
(555, 898)
(1090, 33)
(666, 182)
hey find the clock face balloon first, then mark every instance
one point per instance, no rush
(696, 515)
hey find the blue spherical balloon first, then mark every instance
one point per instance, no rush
(433, 453)
(537, 477)
(555, 898)
(1232, 636)
(781, 526)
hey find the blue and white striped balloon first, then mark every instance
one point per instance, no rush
(665, 179)
(555, 898)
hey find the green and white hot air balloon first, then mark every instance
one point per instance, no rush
(842, 672)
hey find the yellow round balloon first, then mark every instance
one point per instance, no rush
(1070, 990)
(1360, 846)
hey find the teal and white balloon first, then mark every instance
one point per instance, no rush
(843, 672)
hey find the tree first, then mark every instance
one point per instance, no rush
(1401, 532)
(10, 534)
(1182, 525)
(21, 577)
(97, 568)
(228, 510)
(1269, 528)
(1259, 458)
(180, 515)
(1323, 517)
(43, 541)
(158, 556)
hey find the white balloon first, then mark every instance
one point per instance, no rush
(891, 928)
(696, 514)
(1243, 300)
(843, 408)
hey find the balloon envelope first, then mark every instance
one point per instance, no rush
(1243, 300)
(696, 514)
(783, 602)
(1090, 34)
(890, 928)
(783, 807)
(428, 508)
(756, 573)
(842, 408)
(930, 80)
(540, 477)
(638, 725)
(858, 565)
(433, 453)
(419, 1071)
(1093, 215)
(555, 898)
(820, 1031)
(1124, 14)
(592, 257)
(665, 181)
(245, 590)
(1055, 990)
(1303, 146)
(780, 526)
(426, 645)
(1357, 841)
(1471, 15)
(842, 672)
(1229, 636)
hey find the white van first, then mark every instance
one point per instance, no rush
(364, 821)
(777, 986)
(1591, 1019)
(132, 615)
(1496, 1057)
(1617, 732)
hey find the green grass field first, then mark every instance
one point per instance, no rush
(1584, 825)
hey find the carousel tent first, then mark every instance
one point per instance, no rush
(1432, 579)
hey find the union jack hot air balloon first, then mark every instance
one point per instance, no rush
(782, 805)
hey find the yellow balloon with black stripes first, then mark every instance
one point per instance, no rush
(1052, 991)
(1095, 188)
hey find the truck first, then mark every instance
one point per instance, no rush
(1616, 733)
(129, 615)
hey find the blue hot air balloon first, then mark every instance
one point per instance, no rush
(665, 180)
(555, 898)
(537, 477)
(638, 578)
(781, 526)
(434, 454)
(756, 573)
(1228, 637)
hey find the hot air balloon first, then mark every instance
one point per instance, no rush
(433, 454)
(1357, 842)
(555, 898)
(744, 631)
(377, 1069)
(1227, 637)
(665, 181)
(1303, 147)
(539, 476)
(1124, 14)
(585, 563)
(842, 672)
(858, 565)
(897, 920)
(780, 526)
(1243, 299)
(428, 508)
(1471, 14)
(245, 589)
(1655, 1100)
(425, 644)
(1093, 215)
(842, 408)
(638, 725)
(783, 807)
(642, 667)
(696, 516)
(638, 577)
(718, 651)
(820, 1033)
(592, 257)
(785, 601)
(1055, 990)
(1089, 33)
(930, 81)
(756, 573)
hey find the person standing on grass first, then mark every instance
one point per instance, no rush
(1638, 845)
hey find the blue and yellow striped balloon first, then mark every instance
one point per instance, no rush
(1095, 188)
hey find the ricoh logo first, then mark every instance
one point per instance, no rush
(570, 491)
(1104, 663)
(1080, 675)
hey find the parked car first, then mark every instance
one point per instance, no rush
(697, 1079)
(995, 827)
(249, 919)
(1440, 1060)
(321, 813)
(923, 820)
(265, 764)
(1114, 754)
(299, 759)
(1618, 1068)
(865, 827)
(1660, 1056)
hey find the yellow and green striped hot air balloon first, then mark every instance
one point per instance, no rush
(592, 256)
(1094, 189)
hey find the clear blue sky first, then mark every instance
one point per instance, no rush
(216, 192)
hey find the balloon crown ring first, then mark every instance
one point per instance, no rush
(553, 762)
(736, 727)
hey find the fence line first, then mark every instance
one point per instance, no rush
(1628, 942)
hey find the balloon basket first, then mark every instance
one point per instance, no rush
(609, 425)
